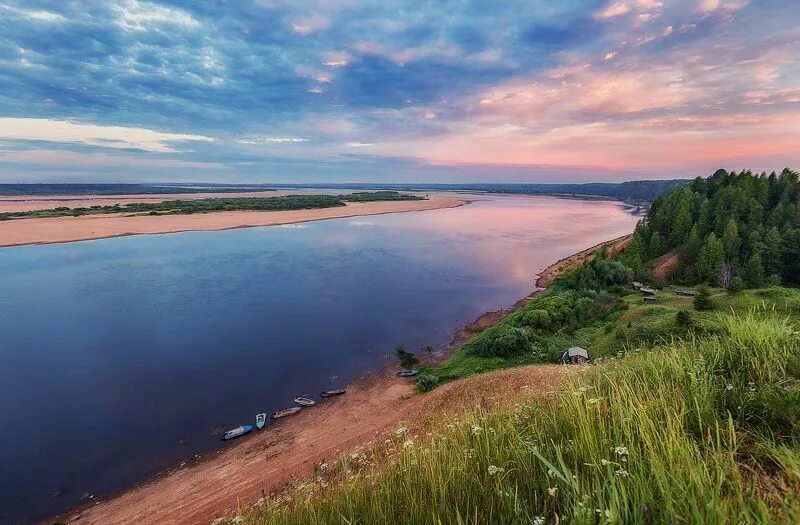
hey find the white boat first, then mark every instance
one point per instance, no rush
(261, 420)
(304, 401)
(236, 432)
(285, 412)
(408, 373)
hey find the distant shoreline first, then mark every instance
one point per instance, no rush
(90, 227)
(195, 491)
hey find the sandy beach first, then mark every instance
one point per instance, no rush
(68, 229)
(240, 474)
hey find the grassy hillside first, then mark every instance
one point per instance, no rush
(689, 413)
(699, 430)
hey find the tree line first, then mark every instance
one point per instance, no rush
(731, 229)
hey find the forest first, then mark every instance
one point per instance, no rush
(731, 229)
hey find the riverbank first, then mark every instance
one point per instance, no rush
(240, 474)
(71, 229)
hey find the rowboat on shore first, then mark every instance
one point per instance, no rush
(261, 420)
(408, 373)
(236, 432)
(304, 401)
(285, 412)
(331, 393)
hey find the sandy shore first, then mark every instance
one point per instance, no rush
(68, 229)
(240, 474)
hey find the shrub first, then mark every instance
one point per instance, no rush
(427, 382)
(538, 319)
(736, 286)
(505, 342)
(774, 280)
(702, 301)
(684, 319)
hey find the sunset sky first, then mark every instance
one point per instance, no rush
(438, 91)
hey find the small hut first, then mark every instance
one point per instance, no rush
(574, 356)
(688, 293)
(647, 291)
(650, 299)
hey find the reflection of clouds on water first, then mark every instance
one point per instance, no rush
(292, 225)
(361, 223)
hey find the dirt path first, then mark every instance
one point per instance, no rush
(375, 404)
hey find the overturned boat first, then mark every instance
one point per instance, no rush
(236, 432)
(285, 412)
(331, 393)
(304, 401)
(408, 373)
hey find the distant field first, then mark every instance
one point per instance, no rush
(184, 207)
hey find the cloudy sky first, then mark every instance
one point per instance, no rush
(441, 90)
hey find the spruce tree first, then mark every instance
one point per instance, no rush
(754, 272)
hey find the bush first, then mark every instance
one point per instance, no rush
(774, 280)
(702, 301)
(684, 319)
(736, 286)
(538, 319)
(505, 342)
(427, 382)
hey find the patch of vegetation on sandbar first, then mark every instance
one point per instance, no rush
(190, 206)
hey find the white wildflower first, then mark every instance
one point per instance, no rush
(552, 491)
(604, 462)
(474, 430)
(729, 387)
(408, 443)
(622, 473)
(538, 520)
(494, 470)
(621, 451)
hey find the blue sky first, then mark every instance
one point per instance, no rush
(319, 91)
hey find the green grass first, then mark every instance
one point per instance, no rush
(702, 430)
(634, 324)
(184, 207)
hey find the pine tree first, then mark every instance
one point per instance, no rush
(754, 272)
(731, 242)
(711, 256)
(656, 245)
(773, 252)
(702, 301)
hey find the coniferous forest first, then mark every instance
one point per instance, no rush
(730, 230)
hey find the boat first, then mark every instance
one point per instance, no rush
(331, 393)
(304, 401)
(285, 412)
(236, 432)
(261, 420)
(408, 373)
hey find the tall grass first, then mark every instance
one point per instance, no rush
(697, 431)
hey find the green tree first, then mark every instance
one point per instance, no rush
(702, 301)
(681, 223)
(736, 286)
(773, 252)
(731, 242)
(712, 254)
(754, 272)
(656, 245)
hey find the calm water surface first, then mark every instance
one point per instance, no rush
(113, 352)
